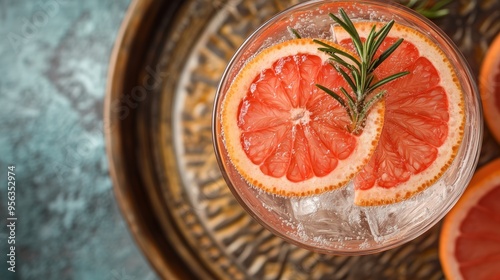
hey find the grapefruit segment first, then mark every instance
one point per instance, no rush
(286, 136)
(470, 236)
(424, 119)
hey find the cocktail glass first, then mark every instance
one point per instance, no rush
(330, 223)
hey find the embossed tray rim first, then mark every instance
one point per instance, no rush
(146, 233)
(141, 219)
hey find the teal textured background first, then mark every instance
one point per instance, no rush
(54, 57)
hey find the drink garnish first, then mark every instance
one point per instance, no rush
(359, 73)
(428, 8)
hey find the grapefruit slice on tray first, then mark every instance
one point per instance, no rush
(470, 237)
(424, 119)
(286, 136)
(489, 86)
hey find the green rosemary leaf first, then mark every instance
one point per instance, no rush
(332, 51)
(346, 77)
(381, 35)
(388, 79)
(438, 5)
(435, 14)
(335, 58)
(357, 79)
(350, 101)
(352, 29)
(430, 9)
(369, 79)
(294, 32)
(348, 26)
(387, 53)
(411, 3)
(370, 103)
(334, 95)
(372, 36)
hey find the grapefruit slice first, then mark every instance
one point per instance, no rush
(424, 119)
(470, 237)
(489, 87)
(283, 134)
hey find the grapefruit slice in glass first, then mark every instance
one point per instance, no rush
(424, 119)
(489, 87)
(470, 236)
(286, 136)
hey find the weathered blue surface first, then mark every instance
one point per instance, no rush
(54, 56)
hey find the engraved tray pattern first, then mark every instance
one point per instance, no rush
(195, 210)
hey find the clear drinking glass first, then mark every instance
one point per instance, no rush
(330, 223)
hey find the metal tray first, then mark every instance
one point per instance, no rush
(165, 67)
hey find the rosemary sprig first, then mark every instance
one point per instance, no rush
(359, 74)
(294, 33)
(428, 8)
